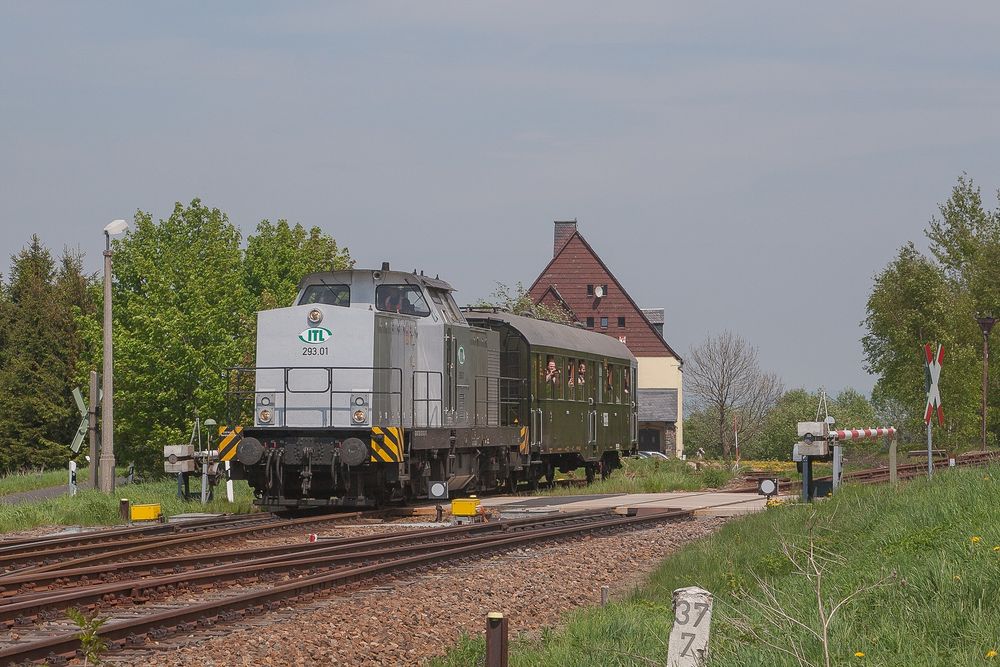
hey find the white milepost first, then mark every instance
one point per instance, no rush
(229, 483)
(72, 478)
(692, 620)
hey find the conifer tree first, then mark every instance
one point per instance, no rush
(40, 350)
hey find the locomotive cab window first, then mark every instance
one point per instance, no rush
(449, 309)
(403, 299)
(331, 295)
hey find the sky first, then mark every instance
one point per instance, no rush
(746, 166)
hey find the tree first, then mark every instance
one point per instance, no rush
(185, 301)
(918, 299)
(41, 350)
(519, 302)
(724, 378)
(278, 256)
(181, 313)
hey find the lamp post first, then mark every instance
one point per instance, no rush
(106, 475)
(986, 323)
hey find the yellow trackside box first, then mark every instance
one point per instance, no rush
(150, 512)
(465, 506)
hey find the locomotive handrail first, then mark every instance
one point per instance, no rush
(497, 382)
(241, 396)
(427, 400)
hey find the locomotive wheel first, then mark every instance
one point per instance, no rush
(512, 482)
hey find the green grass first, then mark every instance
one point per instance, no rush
(938, 602)
(93, 508)
(651, 476)
(29, 481)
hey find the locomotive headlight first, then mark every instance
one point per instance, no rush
(265, 416)
(315, 315)
(360, 416)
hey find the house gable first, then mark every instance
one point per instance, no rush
(574, 266)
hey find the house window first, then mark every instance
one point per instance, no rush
(604, 323)
(590, 290)
(605, 289)
(621, 321)
(590, 322)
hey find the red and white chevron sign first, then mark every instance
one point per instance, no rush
(933, 372)
(863, 433)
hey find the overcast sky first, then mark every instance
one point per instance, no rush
(744, 165)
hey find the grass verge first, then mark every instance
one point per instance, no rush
(923, 564)
(651, 476)
(18, 482)
(93, 508)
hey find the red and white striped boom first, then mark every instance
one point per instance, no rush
(863, 433)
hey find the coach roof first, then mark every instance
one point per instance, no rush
(549, 334)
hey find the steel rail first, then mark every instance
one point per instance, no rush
(21, 611)
(132, 631)
(52, 561)
(10, 585)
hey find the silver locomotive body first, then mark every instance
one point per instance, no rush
(365, 368)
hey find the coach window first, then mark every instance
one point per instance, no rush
(551, 376)
(331, 295)
(403, 299)
(536, 370)
(570, 379)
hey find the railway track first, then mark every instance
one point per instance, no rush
(121, 545)
(266, 578)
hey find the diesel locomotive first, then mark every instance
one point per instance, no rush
(376, 387)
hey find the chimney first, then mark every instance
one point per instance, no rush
(564, 230)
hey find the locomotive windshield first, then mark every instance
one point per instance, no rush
(331, 295)
(404, 299)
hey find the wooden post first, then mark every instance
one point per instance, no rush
(604, 596)
(496, 640)
(123, 510)
(692, 620)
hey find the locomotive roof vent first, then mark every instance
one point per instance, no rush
(385, 266)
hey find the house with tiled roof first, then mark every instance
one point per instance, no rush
(577, 280)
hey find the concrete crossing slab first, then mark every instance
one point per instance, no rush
(704, 503)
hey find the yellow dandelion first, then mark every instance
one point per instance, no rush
(975, 539)
(957, 578)
(991, 653)
(996, 548)
(859, 654)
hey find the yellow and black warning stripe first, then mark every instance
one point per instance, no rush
(230, 440)
(387, 444)
(523, 448)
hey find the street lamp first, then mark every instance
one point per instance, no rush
(106, 474)
(986, 323)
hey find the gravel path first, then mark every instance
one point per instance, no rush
(409, 620)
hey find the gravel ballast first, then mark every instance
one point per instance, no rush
(410, 619)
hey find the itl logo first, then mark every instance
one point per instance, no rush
(315, 335)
